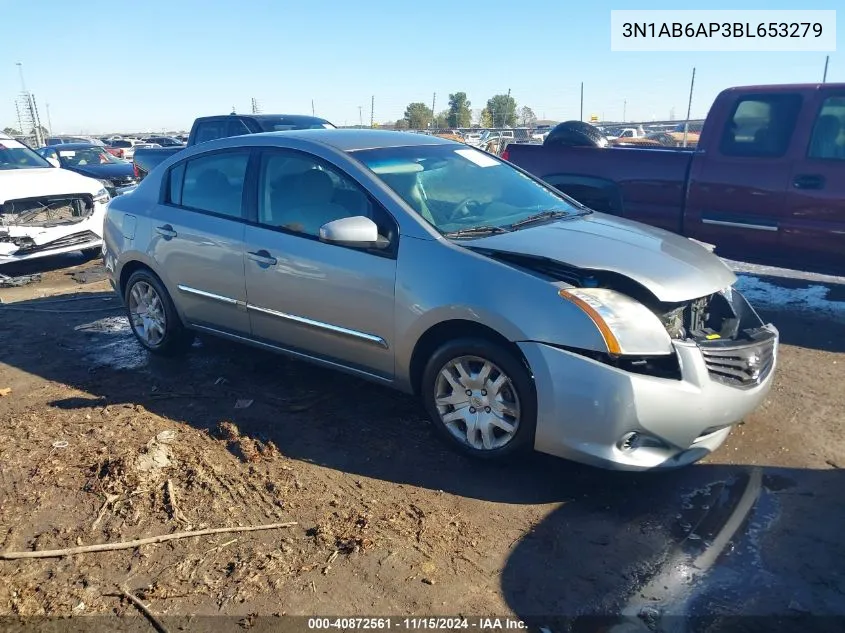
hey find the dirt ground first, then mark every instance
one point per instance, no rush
(101, 443)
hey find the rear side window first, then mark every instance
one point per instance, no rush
(828, 139)
(761, 126)
(174, 187)
(211, 130)
(214, 183)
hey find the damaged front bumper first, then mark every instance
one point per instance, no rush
(604, 415)
(39, 227)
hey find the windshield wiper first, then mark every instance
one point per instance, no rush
(543, 215)
(476, 230)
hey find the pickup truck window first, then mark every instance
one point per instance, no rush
(211, 130)
(237, 128)
(761, 125)
(215, 183)
(828, 140)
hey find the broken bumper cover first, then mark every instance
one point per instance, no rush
(593, 413)
(20, 242)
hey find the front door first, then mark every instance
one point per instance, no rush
(197, 238)
(737, 194)
(815, 227)
(326, 301)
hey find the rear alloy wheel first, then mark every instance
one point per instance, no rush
(480, 398)
(153, 316)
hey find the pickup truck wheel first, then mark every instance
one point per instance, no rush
(153, 317)
(480, 398)
(575, 134)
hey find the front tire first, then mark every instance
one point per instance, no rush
(480, 398)
(153, 317)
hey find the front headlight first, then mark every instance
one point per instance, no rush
(626, 325)
(103, 195)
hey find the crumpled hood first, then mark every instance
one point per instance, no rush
(672, 267)
(46, 181)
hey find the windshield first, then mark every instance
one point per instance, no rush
(15, 155)
(291, 123)
(455, 187)
(85, 157)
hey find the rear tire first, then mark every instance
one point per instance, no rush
(480, 398)
(153, 317)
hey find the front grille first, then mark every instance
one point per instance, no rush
(742, 365)
(82, 238)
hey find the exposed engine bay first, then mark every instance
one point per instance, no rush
(46, 224)
(736, 347)
(46, 211)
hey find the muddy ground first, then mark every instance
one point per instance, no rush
(101, 443)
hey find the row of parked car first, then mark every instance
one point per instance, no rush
(122, 147)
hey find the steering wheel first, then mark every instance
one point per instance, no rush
(462, 209)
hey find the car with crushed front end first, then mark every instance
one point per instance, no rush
(44, 210)
(521, 318)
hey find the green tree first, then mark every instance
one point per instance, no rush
(401, 124)
(459, 112)
(503, 110)
(527, 116)
(418, 115)
(441, 121)
(486, 118)
(11, 131)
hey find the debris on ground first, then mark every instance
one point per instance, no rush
(90, 274)
(20, 280)
(5, 391)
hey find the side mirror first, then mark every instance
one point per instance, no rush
(53, 161)
(357, 232)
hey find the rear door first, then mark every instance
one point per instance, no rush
(737, 192)
(814, 231)
(197, 239)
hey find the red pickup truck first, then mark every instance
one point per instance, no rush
(766, 182)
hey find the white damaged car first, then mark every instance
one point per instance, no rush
(44, 210)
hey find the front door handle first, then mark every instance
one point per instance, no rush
(166, 231)
(262, 257)
(808, 181)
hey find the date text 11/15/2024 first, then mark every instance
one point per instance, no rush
(418, 623)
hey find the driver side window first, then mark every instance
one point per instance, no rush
(301, 193)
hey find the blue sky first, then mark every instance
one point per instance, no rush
(136, 66)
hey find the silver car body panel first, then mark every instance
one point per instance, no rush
(365, 314)
(672, 267)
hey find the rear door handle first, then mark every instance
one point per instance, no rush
(262, 257)
(808, 181)
(166, 231)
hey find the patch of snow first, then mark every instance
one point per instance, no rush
(774, 271)
(764, 294)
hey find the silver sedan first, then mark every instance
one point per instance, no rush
(520, 318)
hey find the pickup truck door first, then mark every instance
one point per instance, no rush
(814, 230)
(320, 300)
(738, 182)
(197, 239)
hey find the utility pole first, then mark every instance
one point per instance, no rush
(49, 120)
(360, 116)
(433, 102)
(312, 108)
(689, 107)
(582, 102)
(824, 77)
(624, 110)
(505, 113)
(372, 110)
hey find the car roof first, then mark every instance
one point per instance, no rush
(65, 146)
(305, 118)
(350, 140)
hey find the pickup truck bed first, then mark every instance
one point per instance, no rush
(765, 183)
